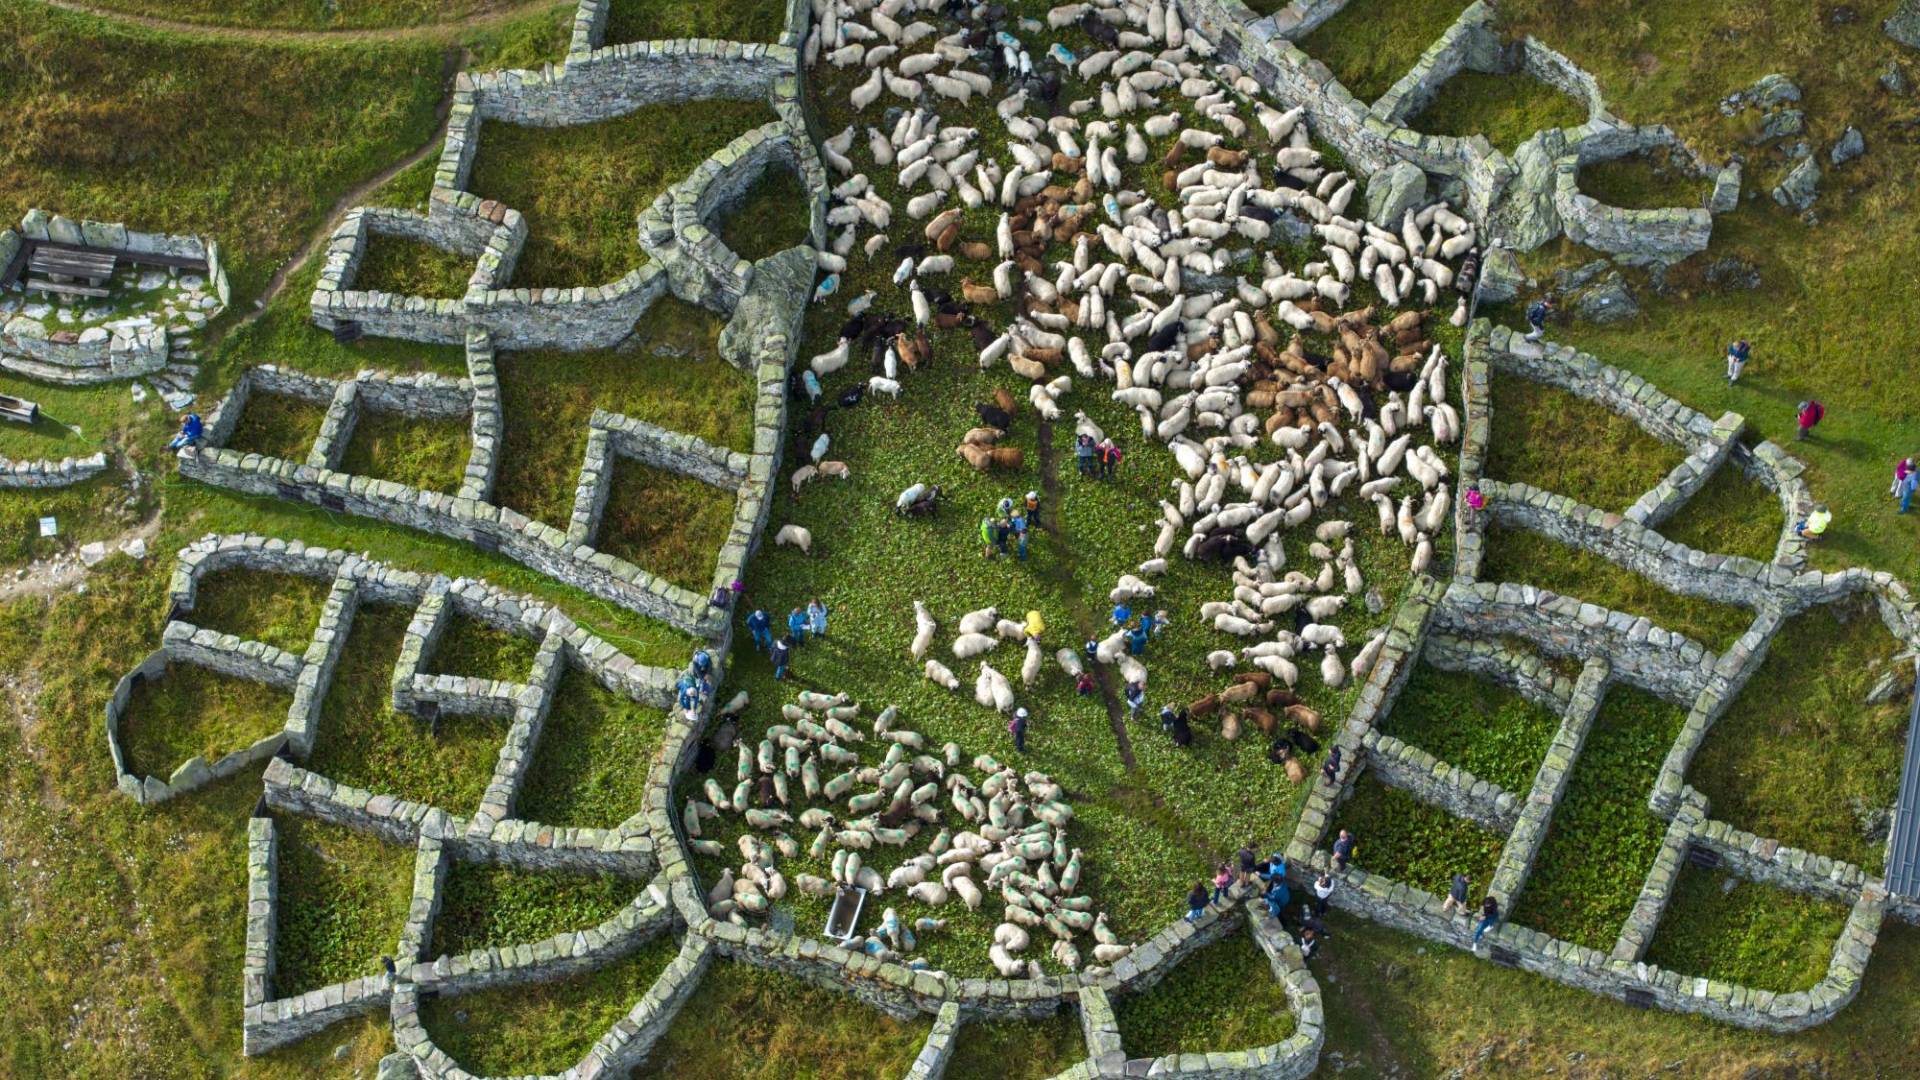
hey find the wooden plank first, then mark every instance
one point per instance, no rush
(37, 285)
(138, 258)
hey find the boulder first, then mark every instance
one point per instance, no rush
(1800, 188)
(1393, 191)
(1903, 25)
(1771, 90)
(1607, 300)
(1851, 145)
(1500, 276)
(1526, 216)
(1894, 80)
(1781, 124)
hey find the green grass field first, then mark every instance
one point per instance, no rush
(546, 1027)
(1727, 928)
(1224, 998)
(1803, 715)
(1602, 839)
(1465, 721)
(1408, 840)
(1507, 109)
(230, 601)
(730, 20)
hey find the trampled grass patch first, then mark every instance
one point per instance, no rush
(392, 264)
(734, 1028)
(1602, 839)
(543, 1027)
(666, 523)
(277, 425)
(1804, 716)
(1469, 722)
(192, 710)
(590, 767)
(279, 609)
(771, 216)
(1520, 555)
(364, 743)
(248, 142)
(1223, 997)
(1556, 441)
(1732, 515)
(668, 374)
(430, 454)
(1724, 927)
(472, 648)
(343, 901)
(728, 20)
(1409, 840)
(1507, 109)
(1370, 44)
(582, 187)
(485, 905)
(1025, 1050)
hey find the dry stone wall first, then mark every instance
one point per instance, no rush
(1518, 195)
(1461, 627)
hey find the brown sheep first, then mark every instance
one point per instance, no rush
(1296, 772)
(1007, 457)
(1072, 166)
(977, 251)
(948, 237)
(1263, 720)
(1204, 707)
(1305, 716)
(1230, 726)
(1003, 398)
(1049, 357)
(977, 456)
(1405, 321)
(1258, 678)
(1224, 158)
(1176, 155)
(983, 436)
(1239, 694)
(978, 294)
(1279, 698)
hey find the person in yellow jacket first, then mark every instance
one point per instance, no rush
(1814, 528)
(1035, 624)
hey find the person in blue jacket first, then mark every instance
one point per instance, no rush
(797, 627)
(191, 431)
(761, 628)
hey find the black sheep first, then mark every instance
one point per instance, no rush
(994, 416)
(851, 395)
(1163, 339)
(1100, 29)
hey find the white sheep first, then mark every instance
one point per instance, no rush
(880, 384)
(941, 675)
(796, 536)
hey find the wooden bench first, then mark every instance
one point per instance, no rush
(94, 267)
(19, 410)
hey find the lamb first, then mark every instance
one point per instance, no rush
(940, 675)
(796, 536)
(880, 384)
(801, 475)
(924, 627)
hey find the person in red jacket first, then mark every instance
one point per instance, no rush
(1811, 413)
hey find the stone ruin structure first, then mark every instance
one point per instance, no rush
(1527, 199)
(143, 342)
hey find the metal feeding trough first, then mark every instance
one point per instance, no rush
(19, 410)
(843, 919)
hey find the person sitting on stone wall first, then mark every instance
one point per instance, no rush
(191, 431)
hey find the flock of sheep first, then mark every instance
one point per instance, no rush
(1280, 398)
(1193, 347)
(804, 770)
